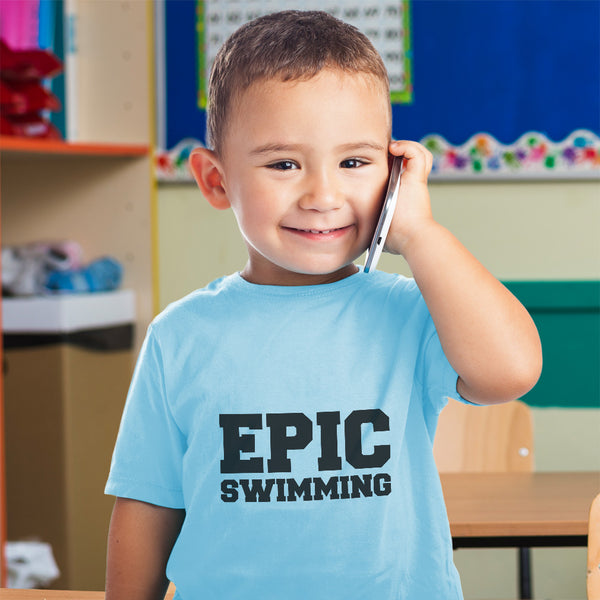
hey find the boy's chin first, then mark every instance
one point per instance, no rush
(324, 265)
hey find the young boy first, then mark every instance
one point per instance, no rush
(277, 437)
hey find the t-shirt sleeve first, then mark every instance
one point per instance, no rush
(437, 376)
(148, 455)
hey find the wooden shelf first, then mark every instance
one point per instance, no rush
(26, 146)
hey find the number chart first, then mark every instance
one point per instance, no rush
(386, 24)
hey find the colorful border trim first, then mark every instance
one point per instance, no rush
(172, 165)
(533, 156)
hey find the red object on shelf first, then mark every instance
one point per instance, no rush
(31, 125)
(22, 97)
(28, 64)
(10, 99)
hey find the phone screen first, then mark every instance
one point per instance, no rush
(387, 213)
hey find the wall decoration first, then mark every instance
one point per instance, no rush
(533, 155)
(172, 165)
(386, 23)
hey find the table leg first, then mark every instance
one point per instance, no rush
(525, 591)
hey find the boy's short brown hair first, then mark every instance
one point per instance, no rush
(289, 45)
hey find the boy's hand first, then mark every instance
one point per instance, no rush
(413, 209)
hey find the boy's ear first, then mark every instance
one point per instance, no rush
(206, 168)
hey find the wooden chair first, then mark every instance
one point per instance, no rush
(593, 557)
(486, 439)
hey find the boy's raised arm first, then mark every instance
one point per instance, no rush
(140, 540)
(486, 333)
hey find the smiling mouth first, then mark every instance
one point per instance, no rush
(317, 231)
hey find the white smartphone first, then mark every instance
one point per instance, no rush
(387, 213)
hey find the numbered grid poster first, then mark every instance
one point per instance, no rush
(386, 24)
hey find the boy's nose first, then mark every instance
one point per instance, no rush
(321, 193)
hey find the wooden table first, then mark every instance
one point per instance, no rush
(519, 509)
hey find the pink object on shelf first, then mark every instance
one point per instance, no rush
(19, 25)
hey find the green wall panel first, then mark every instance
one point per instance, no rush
(567, 315)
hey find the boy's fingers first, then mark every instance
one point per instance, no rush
(418, 159)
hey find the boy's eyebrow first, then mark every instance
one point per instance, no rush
(351, 146)
(267, 148)
(366, 145)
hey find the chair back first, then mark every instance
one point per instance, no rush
(593, 557)
(495, 438)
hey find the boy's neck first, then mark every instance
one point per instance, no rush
(290, 278)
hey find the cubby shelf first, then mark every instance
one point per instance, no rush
(18, 145)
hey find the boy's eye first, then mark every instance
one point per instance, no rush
(352, 163)
(283, 165)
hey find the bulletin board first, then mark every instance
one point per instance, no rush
(494, 88)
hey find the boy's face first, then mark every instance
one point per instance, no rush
(304, 167)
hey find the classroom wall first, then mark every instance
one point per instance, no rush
(520, 231)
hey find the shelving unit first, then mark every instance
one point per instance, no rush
(97, 190)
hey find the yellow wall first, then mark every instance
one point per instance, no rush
(518, 230)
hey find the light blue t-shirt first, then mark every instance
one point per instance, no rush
(295, 426)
